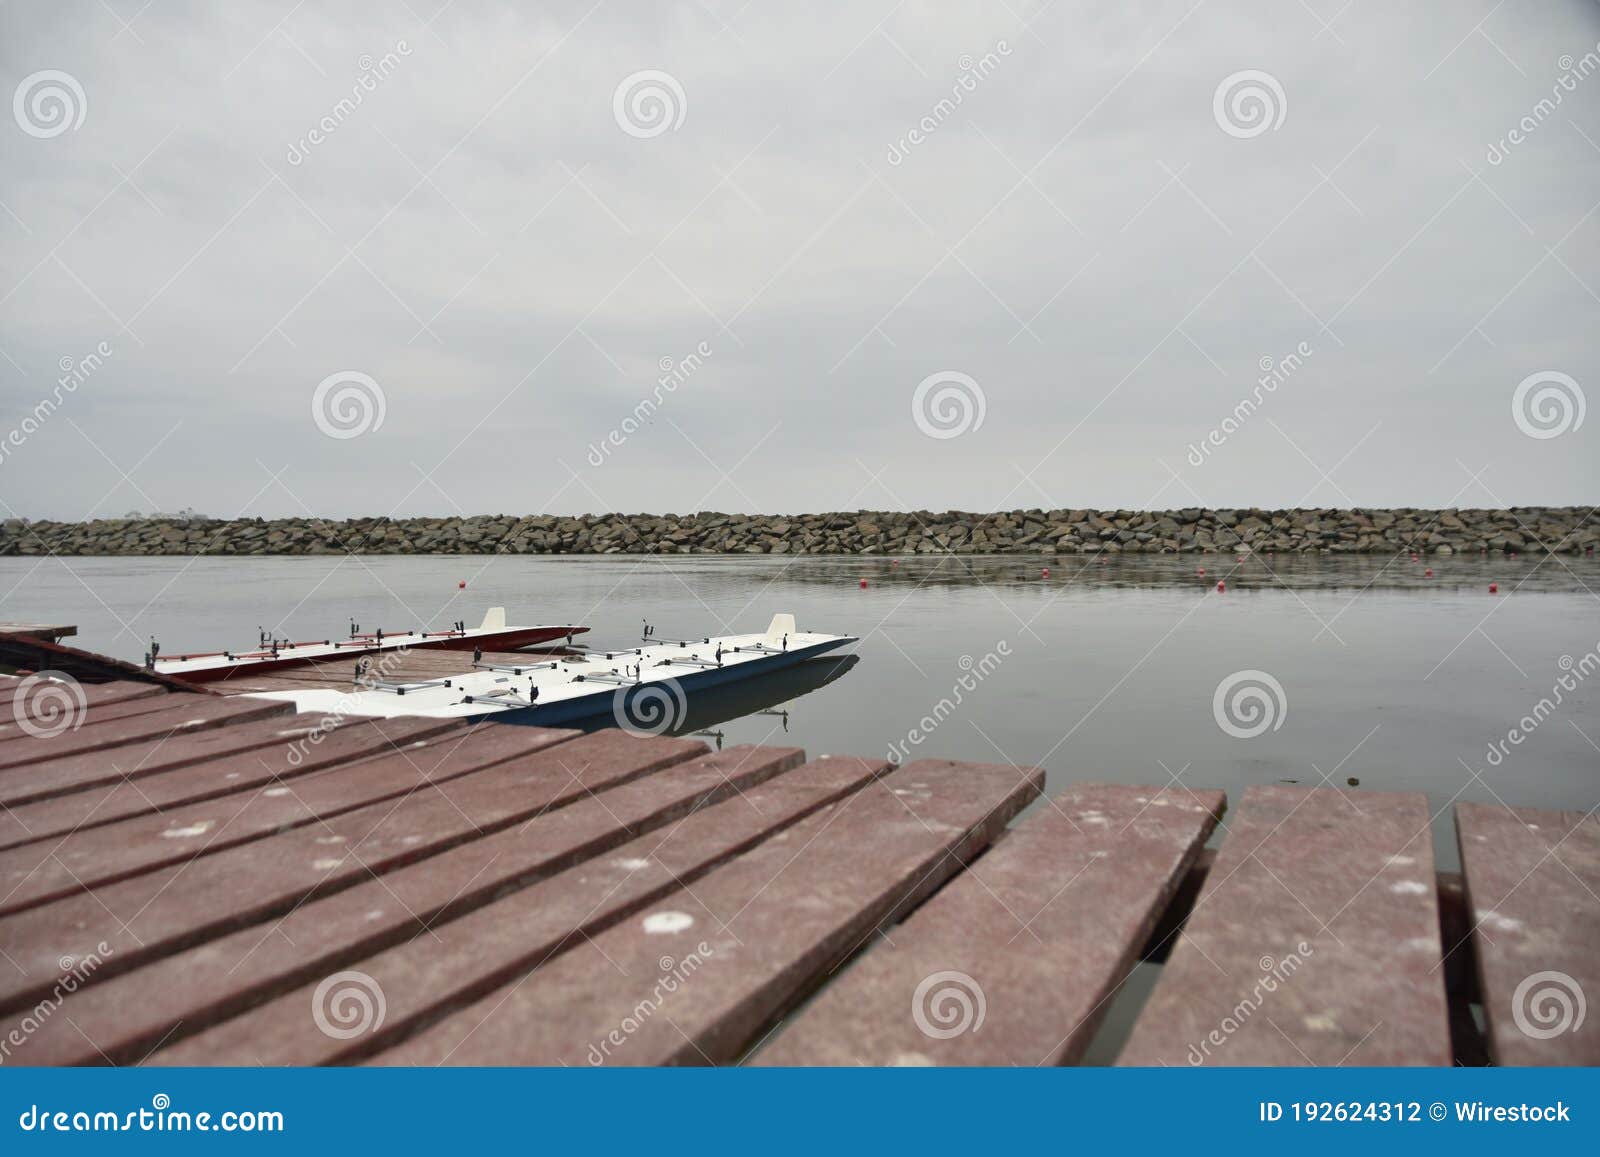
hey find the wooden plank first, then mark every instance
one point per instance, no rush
(1159, 946)
(358, 764)
(1532, 882)
(22, 726)
(177, 997)
(38, 873)
(232, 782)
(1013, 962)
(755, 932)
(428, 976)
(1315, 941)
(159, 912)
(99, 770)
(32, 770)
(94, 694)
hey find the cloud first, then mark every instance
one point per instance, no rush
(473, 229)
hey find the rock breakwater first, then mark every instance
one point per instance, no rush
(1544, 529)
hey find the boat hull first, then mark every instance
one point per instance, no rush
(600, 706)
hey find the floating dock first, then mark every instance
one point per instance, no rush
(214, 880)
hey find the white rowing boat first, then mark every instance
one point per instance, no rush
(644, 688)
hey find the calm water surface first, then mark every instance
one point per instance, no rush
(1099, 672)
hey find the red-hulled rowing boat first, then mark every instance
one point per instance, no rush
(272, 654)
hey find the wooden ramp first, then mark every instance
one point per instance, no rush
(294, 890)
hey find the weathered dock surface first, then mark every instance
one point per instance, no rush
(297, 890)
(1057, 912)
(1532, 881)
(1341, 961)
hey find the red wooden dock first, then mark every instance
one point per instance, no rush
(195, 880)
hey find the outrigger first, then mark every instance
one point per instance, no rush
(271, 653)
(643, 688)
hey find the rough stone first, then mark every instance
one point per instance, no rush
(1532, 530)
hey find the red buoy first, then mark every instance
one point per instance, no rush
(1201, 571)
(1221, 586)
(1428, 573)
(1494, 588)
(462, 585)
(863, 584)
(894, 562)
(1045, 573)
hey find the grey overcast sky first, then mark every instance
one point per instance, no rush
(1097, 235)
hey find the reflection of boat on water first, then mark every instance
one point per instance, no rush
(759, 694)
